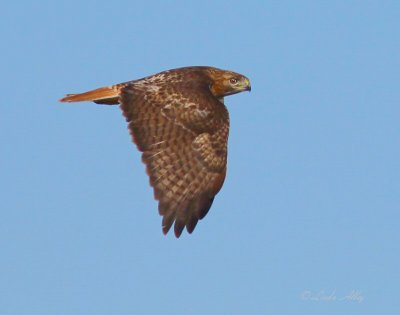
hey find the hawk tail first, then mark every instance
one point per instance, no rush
(106, 95)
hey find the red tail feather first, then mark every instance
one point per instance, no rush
(105, 95)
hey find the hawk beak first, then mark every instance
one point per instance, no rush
(248, 85)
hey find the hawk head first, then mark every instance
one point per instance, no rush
(224, 83)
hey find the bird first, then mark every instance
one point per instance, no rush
(178, 120)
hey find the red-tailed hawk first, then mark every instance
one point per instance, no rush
(178, 119)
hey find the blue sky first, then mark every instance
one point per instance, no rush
(308, 219)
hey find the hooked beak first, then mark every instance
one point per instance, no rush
(248, 85)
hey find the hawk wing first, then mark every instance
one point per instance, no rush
(182, 132)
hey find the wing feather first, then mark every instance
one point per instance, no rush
(182, 132)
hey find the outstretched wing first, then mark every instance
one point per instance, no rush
(182, 132)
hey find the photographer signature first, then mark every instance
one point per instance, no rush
(322, 295)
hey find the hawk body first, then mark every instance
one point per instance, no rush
(179, 122)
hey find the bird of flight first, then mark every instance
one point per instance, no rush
(178, 120)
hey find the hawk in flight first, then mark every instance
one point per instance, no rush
(178, 120)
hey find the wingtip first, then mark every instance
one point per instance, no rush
(177, 233)
(165, 231)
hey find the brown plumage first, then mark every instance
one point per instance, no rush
(178, 120)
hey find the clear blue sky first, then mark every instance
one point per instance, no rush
(308, 219)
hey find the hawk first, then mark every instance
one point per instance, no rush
(178, 120)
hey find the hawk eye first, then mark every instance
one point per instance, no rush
(233, 80)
